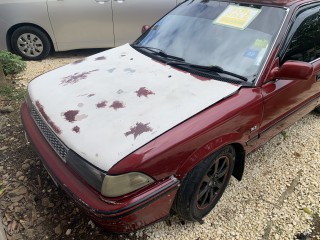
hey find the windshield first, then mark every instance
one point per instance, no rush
(231, 36)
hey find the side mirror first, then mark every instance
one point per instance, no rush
(292, 70)
(144, 28)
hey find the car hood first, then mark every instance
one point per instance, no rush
(108, 105)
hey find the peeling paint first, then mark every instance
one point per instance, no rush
(71, 115)
(129, 70)
(55, 128)
(76, 77)
(120, 91)
(144, 92)
(138, 129)
(76, 129)
(100, 58)
(117, 104)
(81, 117)
(78, 61)
(102, 104)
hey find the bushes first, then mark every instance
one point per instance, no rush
(11, 63)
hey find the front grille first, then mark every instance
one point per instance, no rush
(53, 140)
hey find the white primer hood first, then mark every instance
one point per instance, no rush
(110, 104)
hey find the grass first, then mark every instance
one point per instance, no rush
(10, 92)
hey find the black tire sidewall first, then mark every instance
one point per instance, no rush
(186, 201)
(39, 33)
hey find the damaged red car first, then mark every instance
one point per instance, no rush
(162, 124)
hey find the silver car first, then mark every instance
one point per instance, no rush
(32, 28)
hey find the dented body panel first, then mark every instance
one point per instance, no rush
(122, 100)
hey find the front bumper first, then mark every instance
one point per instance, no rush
(123, 214)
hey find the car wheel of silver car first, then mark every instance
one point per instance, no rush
(204, 185)
(30, 43)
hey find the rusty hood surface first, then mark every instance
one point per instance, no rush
(108, 105)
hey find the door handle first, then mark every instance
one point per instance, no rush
(119, 1)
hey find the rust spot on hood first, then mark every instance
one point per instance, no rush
(76, 77)
(102, 104)
(117, 104)
(71, 115)
(76, 129)
(55, 128)
(138, 129)
(144, 92)
(100, 58)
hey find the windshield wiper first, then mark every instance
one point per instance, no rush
(159, 52)
(215, 69)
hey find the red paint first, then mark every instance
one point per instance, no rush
(71, 115)
(121, 214)
(200, 78)
(76, 77)
(102, 104)
(55, 128)
(117, 104)
(100, 58)
(78, 61)
(76, 129)
(144, 92)
(138, 129)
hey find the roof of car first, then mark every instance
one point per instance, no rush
(270, 2)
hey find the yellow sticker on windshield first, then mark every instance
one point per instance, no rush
(237, 16)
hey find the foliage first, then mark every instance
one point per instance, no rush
(12, 64)
(10, 92)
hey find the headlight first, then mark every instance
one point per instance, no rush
(114, 186)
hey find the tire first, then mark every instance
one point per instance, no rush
(317, 109)
(200, 191)
(30, 43)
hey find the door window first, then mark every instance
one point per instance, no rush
(305, 42)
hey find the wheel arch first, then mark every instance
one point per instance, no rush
(16, 26)
(207, 150)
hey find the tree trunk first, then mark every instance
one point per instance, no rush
(2, 77)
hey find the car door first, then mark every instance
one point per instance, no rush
(130, 15)
(81, 24)
(285, 101)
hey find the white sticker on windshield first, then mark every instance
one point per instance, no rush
(238, 17)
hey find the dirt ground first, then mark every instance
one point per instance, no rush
(276, 199)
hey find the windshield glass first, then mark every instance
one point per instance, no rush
(235, 37)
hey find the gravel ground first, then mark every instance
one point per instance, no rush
(278, 198)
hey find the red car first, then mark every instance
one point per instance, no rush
(139, 130)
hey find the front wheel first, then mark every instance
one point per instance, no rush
(31, 43)
(204, 185)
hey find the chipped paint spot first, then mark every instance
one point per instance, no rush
(111, 70)
(200, 78)
(100, 58)
(78, 61)
(138, 129)
(117, 104)
(120, 91)
(55, 128)
(80, 104)
(144, 92)
(169, 76)
(91, 95)
(97, 155)
(123, 54)
(102, 104)
(76, 77)
(131, 59)
(70, 115)
(76, 129)
(129, 70)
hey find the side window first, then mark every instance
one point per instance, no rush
(305, 42)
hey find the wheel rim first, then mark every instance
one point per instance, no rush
(30, 45)
(213, 182)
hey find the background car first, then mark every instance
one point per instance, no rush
(33, 28)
